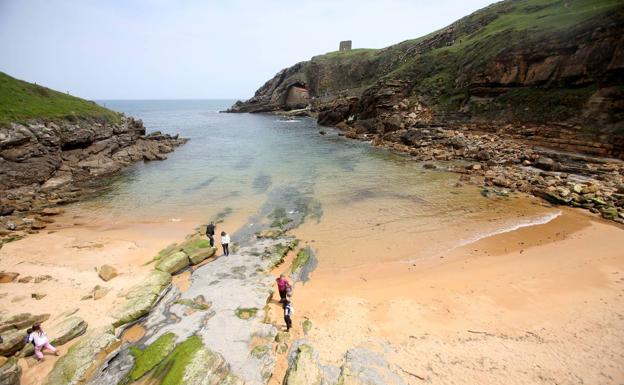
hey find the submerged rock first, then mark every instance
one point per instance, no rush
(82, 360)
(6, 277)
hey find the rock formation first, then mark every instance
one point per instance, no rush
(509, 86)
(50, 161)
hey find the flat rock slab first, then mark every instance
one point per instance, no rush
(82, 359)
(62, 333)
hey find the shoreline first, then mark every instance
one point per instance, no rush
(464, 305)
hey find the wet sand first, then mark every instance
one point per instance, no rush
(541, 304)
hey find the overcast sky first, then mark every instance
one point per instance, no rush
(173, 49)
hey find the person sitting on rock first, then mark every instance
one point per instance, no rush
(41, 341)
(210, 232)
(225, 243)
(283, 286)
(289, 311)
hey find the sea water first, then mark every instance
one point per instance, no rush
(234, 162)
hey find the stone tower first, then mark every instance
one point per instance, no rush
(345, 45)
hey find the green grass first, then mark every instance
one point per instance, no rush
(22, 101)
(357, 53)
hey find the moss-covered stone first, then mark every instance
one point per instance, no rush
(141, 297)
(173, 263)
(609, 213)
(246, 313)
(148, 358)
(306, 326)
(302, 258)
(259, 351)
(82, 360)
(10, 372)
(304, 369)
(170, 249)
(197, 303)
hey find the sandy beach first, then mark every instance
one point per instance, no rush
(541, 304)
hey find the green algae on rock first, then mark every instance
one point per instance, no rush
(173, 263)
(148, 358)
(141, 297)
(10, 372)
(81, 360)
(246, 313)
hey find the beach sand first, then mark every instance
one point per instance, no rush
(542, 304)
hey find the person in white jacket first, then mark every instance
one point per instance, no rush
(41, 341)
(225, 243)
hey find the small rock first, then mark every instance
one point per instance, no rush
(52, 211)
(107, 272)
(43, 278)
(100, 292)
(26, 279)
(38, 296)
(609, 213)
(7, 277)
(430, 166)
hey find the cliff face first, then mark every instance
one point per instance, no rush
(554, 70)
(53, 146)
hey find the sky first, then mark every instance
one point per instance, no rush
(192, 49)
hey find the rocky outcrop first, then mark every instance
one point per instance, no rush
(553, 71)
(141, 298)
(10, 372)
(84, 358)
(44, 164)
(61, 333)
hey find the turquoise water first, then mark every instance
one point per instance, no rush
(237, 161)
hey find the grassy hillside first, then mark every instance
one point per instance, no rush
(22, 101)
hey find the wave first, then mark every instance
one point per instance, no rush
(535, 221)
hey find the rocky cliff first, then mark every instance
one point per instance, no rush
(545, 71)
(52, 146)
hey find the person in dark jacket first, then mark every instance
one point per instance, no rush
(289, 311)
(210, 232)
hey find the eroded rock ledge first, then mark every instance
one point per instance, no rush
(47, 164)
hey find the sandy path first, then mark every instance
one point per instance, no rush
(541, 304)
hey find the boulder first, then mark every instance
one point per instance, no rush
(21, 321)
(12, 342)
(84, 358)
(609, 213)
(173, 263)
(305, 369)
(61, 333)
(7, 277)
(141, 297)
(200, 255)
(107, 272)
(10, 372)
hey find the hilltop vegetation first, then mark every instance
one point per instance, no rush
(532, 61)
(21, 101)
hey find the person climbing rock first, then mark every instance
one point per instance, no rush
(225, 243)
(39, 338)
(210, 232)
(283, 286)
(289, 311)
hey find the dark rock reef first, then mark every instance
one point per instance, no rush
(531, 90)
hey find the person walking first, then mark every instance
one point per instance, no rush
(225, 243)
(289, 311)
(41, 341)
(283, 286)
(210, 232)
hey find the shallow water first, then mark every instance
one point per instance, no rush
(361, 194)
